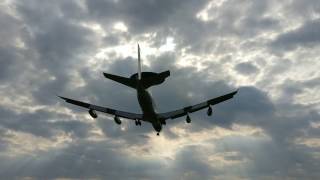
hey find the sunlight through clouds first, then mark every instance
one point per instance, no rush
(120, 26)
(169, 46)
(268, 50)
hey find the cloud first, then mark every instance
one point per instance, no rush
(140, 16)
(83, 160)
(304, 36)
(269, 130)
(246, 68)
(42, 123)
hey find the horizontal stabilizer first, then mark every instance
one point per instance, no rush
(152, 79)
(122, 80)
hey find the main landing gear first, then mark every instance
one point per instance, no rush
(138, 123)
(157, 134)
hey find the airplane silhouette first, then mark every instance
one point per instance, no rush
(141, 81)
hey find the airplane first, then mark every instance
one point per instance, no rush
(141, 81)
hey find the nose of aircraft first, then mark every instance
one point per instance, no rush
(157, 127)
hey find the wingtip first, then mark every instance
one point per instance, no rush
(106, 75)
(235, 92)
(61, 97)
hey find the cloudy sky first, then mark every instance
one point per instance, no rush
(267, 49)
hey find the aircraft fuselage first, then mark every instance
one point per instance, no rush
(148, 108)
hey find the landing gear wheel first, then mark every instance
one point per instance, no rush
(157, 134)
(136, 122)
(139, 122)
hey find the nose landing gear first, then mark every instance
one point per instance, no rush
(157, 134)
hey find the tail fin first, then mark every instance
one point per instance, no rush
(139, 63)
(145, 79)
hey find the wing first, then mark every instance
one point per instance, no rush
(123, 114)
(197, 107)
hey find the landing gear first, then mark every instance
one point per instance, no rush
(188, 119)
(209, 112)
(157, 134)
(163, 122)
(138, 123)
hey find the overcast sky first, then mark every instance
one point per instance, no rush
(267, 49)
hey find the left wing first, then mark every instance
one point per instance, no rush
(122, 114)
(190, 109)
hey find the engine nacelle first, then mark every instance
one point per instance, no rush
(188, 119)
(209, 112)
(117, 120)
(93, 113)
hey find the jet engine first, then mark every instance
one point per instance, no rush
(188, 119)
(117, 120)
(93, 113)
(209, 112)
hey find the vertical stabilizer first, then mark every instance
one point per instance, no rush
(139, 63)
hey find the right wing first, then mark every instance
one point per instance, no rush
(122, 114)
(190, 109)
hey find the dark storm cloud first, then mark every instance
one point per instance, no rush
(304, 36)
